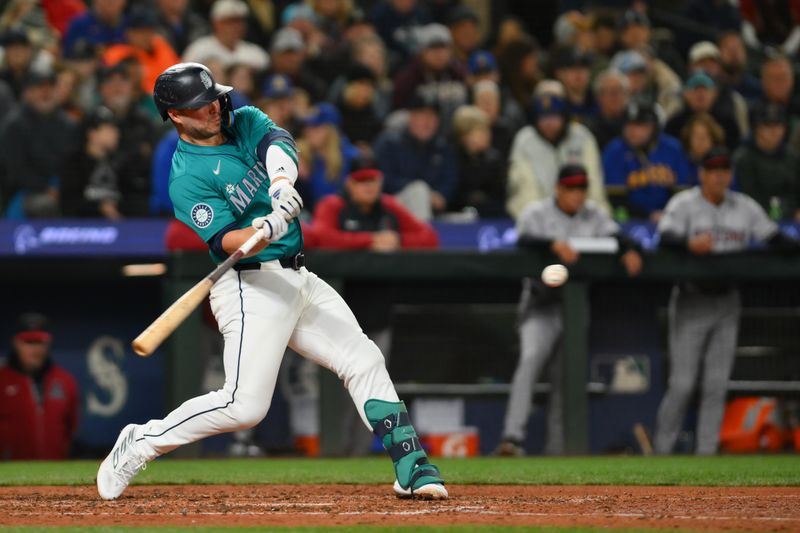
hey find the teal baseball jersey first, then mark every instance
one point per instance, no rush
(215, 188)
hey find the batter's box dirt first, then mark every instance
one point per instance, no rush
(695, 508)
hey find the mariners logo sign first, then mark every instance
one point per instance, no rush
(202, 215)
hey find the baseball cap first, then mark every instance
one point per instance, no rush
(769, 114)
(82, 49)
(633, 18)
(298, 11)
(109, 71)
(641, 113)
(100, 116)
(700, 79)
(322, 114)
(359, 72)
(14, 36)
(286, 40)
(481, 62)
(548, 104)
(36, 78)
(228, 9)
(422, 100)
(716, 158)
(703, 50)
(277, 86)
(33, 327)
(629, 61)
(573, 176)
(434, 36)
(364, 167)
(461, 13)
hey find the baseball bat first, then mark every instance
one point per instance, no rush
(163, 326)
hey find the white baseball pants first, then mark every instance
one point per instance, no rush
(259, 313)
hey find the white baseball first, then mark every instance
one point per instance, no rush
(555, 275)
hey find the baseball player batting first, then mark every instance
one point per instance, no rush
(233, 175)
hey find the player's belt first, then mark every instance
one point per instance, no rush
(295, 262)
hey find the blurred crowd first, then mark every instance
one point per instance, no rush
(469, 107)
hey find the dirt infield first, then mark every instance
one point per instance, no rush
(695, 508)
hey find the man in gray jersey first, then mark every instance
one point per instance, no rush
(548, 224)
(704, 317)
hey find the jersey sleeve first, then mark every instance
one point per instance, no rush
(199, 206)
(529, 223)
(675, 219)
(251, 124)
(604, 225)
(763, 228)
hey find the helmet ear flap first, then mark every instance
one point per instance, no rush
(226, 110)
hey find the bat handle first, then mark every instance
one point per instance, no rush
(251, 242)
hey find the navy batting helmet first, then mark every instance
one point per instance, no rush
(191, 86)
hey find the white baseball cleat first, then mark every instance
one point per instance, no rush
(121, 465)
(431, 491)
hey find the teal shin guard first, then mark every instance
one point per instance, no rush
(390, 421)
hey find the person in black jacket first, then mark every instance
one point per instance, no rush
(138, 137)
(360, 122)
(482, 170)
(89, 182)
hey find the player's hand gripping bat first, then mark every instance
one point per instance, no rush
(161, 328)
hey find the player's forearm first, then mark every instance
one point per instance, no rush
(234, 239)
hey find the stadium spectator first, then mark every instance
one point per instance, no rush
(701, 95)
(35, 140)
(635, 33)
(612, 94)
(362, 218)
(735, 74)
(227, 44)
(463, 23)
(644, 166)
(699, 135)
(138, 138)
(289, 58)
(705, 56)
(180, 24)
(604, 28)
(41, 401)
(772, 24)
(84, 62)
(242, 78)
(334, 56)
(519, 68)
(59, 13)
(766, 169)
(649, 81)
(419, 165)
(324, 154)
(370, 52)
(548, 224)
(572, 68)
(481, 168)
(160, 202)
(397, 23)
(573, 29)
(360, 122)
(482, 66)
(542, 147)
(102, 25)
(486, 96)
(17, 58)
(704, 316)
(151, 51)
(434, 73)
(89, 181)
(276, 101)
(777, 83)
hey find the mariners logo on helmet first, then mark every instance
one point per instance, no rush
(206, 79)
(202, 215)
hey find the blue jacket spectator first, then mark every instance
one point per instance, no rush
(104, 24)
(416, 157)
(643, 167)
(325, 155)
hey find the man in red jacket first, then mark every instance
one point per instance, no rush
(39, 400)
(362, 218)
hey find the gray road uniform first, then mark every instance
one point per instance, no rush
(704, 318)
(540, 328)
